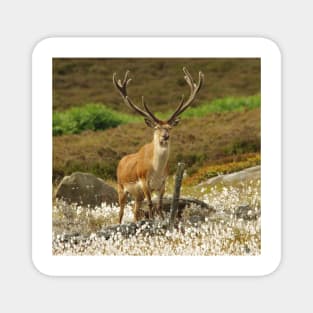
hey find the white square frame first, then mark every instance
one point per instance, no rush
(187, 47)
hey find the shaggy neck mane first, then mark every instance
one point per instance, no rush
(160, 155)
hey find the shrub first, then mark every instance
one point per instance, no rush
(90, 117)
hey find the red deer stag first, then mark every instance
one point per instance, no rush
(144, 172)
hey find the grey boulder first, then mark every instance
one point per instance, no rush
(85, 189)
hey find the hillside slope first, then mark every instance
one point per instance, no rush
(196, 141)
(80, 81)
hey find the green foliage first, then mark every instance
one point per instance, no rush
(99, 117)
(89, 117)
(227, 104)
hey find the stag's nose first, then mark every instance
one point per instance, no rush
(166, 137)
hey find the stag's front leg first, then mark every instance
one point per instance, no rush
(159, 208)
(147, 194)
(137, 207)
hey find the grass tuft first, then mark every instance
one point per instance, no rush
(90, 117)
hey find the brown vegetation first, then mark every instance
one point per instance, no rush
(196, 141)
(80, 81)
(225, 165)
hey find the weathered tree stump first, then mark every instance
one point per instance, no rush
(176, 194)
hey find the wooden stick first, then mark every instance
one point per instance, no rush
(178, 182)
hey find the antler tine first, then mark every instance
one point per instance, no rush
(194, 89)
(148, 111)
(126, 79)
(122, 88)
(176, 113)
(189, 78)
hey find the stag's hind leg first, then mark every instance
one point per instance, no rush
(122, 194)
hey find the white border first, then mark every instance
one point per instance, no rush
(50, 48)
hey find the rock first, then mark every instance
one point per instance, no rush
(246, 174)
(85, 189)
(182, 203)
(246, 212)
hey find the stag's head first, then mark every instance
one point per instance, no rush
(161, 128)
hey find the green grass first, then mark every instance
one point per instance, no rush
(227, 104)
(99, 117)
(90, 117)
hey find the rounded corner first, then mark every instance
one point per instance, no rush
(40, 45)
(274, 266)
(272, 45)
(38, 267)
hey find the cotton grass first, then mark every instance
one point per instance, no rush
(233, 229)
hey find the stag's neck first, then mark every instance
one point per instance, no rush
(160, 155)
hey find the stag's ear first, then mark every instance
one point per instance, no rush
(175, 122)
(149, 123)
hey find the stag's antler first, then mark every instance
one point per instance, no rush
(194, 89)
(122, 88)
